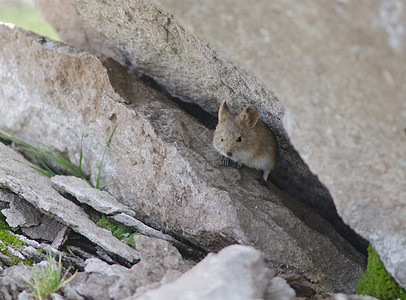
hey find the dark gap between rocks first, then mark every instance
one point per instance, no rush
(187, 249)
(324, 206)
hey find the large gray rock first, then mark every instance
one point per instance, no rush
(236, 272)
(337, 67)
(149, 39)
(160, 160)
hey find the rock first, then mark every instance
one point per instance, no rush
(141, 227)
(362, 158)
(160, 160)
(20, 212)
(340, 296)
(305, 63)
(37, 190)
(60, 238)
(104, 281)
(187, 67)
(236, 272)
(24, 295)
(279, 289)
(47, 230)
(5, 260)
(97, 199)
(13, 281)
(160, 263)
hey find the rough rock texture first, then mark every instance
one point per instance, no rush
(20, 212)
(337, 67)
(12, 281)
(156, 44)
(350, 297)
(279, 289)
(97, 199)
(149, 41)
(236, 272)
(37, 190)
(159, 158)
(159, 261)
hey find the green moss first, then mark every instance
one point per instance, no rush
(119, 231)
(377, 282)
(7, 239)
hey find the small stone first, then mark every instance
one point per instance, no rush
(279, 289)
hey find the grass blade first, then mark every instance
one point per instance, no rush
(61, 160)
(104, 153)
(36, 169)
(106, 185)
(10, 137)
(81, 155)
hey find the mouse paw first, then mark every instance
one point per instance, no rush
(261, 181)
(225, 161)
(236, 164)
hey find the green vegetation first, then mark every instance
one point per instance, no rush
(377, 282)
(7, 239)
(119, 231)
(47, 169)
(26, 16)
(49, 279)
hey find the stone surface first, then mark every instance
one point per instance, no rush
(279, 289)
(336, 67)
(20, 212)
(159, 158)
(340, 296)
(152, 41)
(37, 190)
(236, 272)
(99, 200)
(141, 227)
(12, 281)
(47, 230)
(103, 281)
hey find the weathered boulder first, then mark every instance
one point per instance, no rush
(336, 67)
(236, 272)
(150, 40)
(160, 160)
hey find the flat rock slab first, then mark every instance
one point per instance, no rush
(37, 190)
(159, 158)
(99, 200)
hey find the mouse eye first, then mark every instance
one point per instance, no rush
(221, 139)
(239, 139)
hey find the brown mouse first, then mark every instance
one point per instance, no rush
(245, 140)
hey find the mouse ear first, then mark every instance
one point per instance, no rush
(224, 111)
(249, 116)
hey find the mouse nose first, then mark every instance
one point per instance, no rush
(229, 154)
